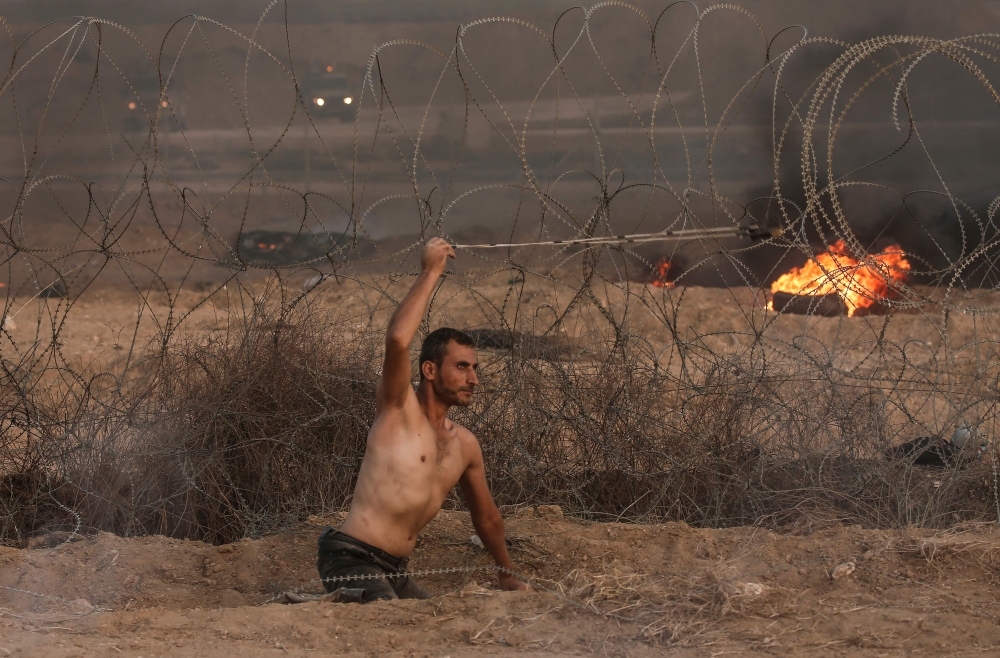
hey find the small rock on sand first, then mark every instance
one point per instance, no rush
(845, 569)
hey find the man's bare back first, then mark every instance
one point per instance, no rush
(415, 454)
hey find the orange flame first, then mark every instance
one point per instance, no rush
(660, 278)
(860, 283)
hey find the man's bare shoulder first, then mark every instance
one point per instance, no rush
(463, 433)
(470, 444)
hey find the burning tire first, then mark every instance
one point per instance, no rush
(834, 283)
(822, 305)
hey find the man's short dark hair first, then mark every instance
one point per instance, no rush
(435, 345)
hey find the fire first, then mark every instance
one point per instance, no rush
(860, 283)
(661, 270)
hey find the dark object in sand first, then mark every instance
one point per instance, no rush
(339, 595)
(52, 539)
(926, 451)
(528, 346)
(55, 290)
(822, 305)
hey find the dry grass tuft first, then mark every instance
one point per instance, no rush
(673, 610)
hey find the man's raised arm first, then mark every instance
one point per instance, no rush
(395, 381)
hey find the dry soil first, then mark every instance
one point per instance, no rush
(601, 588)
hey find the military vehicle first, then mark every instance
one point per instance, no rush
(328, 94)
(282, 248)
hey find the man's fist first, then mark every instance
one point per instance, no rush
(510, 583)
(436, 254)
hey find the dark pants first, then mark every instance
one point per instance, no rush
(342, 556)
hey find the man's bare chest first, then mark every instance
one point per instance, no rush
(448, 457)
(413, 444)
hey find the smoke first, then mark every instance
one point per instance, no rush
(911, 163)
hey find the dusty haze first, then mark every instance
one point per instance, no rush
(225, 106)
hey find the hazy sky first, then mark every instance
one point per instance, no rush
(935, 17)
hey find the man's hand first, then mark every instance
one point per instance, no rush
(435, 256)
(510, 583)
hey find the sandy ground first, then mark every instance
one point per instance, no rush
(107, 322)
(626, 590)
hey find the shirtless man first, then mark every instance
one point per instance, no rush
(415, 456)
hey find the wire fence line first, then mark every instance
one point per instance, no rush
(831, 359)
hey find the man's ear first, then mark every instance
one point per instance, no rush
(428, 369)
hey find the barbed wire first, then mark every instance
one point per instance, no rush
(594, 201)
(86, 606)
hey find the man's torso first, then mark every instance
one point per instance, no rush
(407, 472)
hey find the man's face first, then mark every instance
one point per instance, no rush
(456, 380)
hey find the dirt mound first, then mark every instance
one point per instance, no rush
(600, 588)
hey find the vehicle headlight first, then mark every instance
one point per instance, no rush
(348, 100)
(319, 101)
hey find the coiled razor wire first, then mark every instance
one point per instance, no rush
(617, 378)
(52, 597)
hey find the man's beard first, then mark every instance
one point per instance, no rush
(450, 396)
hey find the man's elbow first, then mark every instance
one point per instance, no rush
(397, 340)
(490, 522)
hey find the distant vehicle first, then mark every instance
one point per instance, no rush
(142, 96)
(282, 247)
(328, 94)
